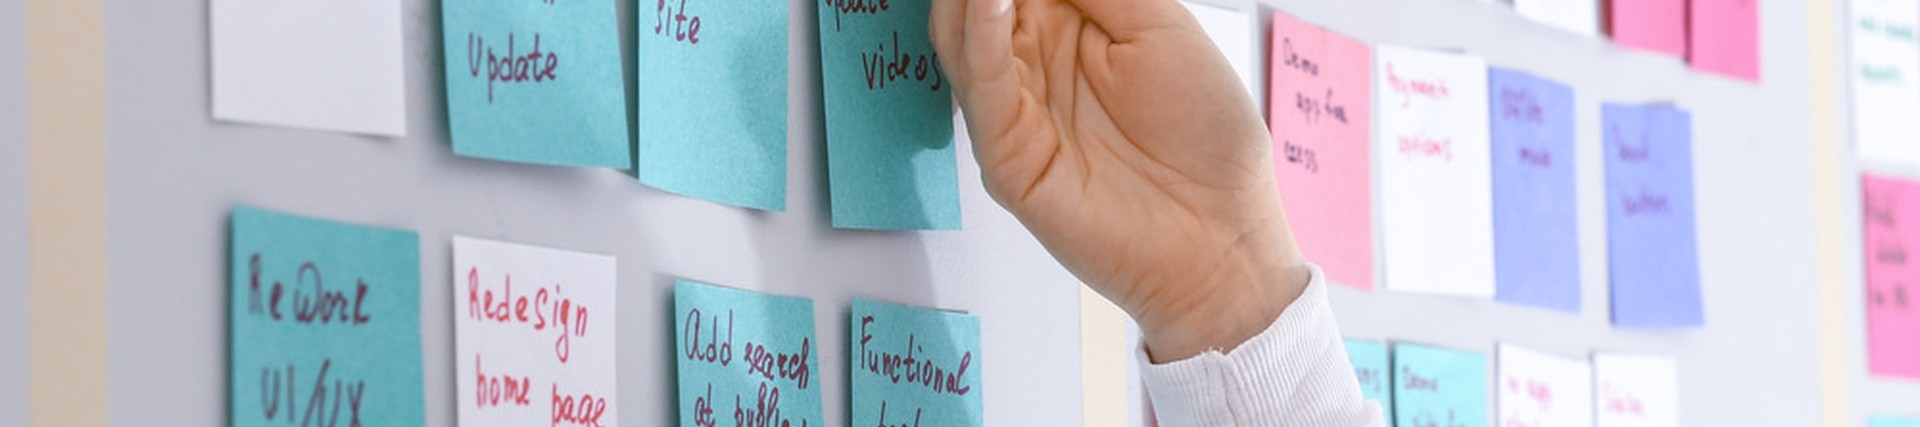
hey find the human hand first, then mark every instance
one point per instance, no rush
(1118, 134)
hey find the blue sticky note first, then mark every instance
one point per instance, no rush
(536, 82)
(1882, 421)
(1439, 387)
(914, 366)
(325, 323)
(1651, 247)
(1370, 366)
(1536, 249)
(889, 110)
(711, 84)
(745, 354)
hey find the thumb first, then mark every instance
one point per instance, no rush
(1124, 19)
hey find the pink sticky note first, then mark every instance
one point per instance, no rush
(1321, 109)
(1893, 306)
(1725, 38)
(1654, 25)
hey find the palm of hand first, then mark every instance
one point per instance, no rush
(1124, 143)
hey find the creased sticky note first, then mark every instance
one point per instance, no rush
(1725, 37)
(536, 82)
(711, 90)
(1322, 116)
(534, 333)
(1436, 191)
(325, 323)
(1542, 390)
(914, 366)
(1652, 251)
(745, 354)
(1536, 242)
(1893, 302)
(1578, 16)
(1884, 421)
(1439, 387)
(1231, 30)
(317, 64)
(889, 108)
(1372, 367)
(1886, 80)
(1651, 25)
(1635, 391)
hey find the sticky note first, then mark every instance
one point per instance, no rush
(1543, 390)
(1436, 191)
(1536, 242)
(1578, 16)
(1439, 387)
(1635, 391)
(534, 334)
(1884, 421)
(1725, 38)
(1886, 80)
(1652, 252)
(536, 82)
(325, 323)
(914, 366)
(1231, 30)
(889, 108)
(711, 96)
(1322, 116)
(1893, 305)
(745, 354)
(315, 64)
(1651, 25)
(1371, 366)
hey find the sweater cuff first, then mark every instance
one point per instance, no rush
(1295, 373)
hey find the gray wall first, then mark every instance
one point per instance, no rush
(174, 174)
(13, 213)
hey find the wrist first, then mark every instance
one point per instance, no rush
(1220, 313)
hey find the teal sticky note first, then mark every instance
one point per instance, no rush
(325, 323)
(745, 358)
(711, 90)
(890, 158)
(914, 366)
(1369, 359)
(536, 82)
(1439, 387)
(1884, 421)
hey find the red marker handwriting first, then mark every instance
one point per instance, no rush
(549, 310)
(675, 23)
(1414, 88)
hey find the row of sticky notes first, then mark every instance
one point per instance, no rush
(1419, 385)
(545, 82)
(1715, 36)
(325, 329)
(1475, 171)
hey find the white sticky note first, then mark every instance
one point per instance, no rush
(1542, 390)
(1232, 31)
(1886, 80)
(1436, 196)
(317, 64)
(1579, 16)
(1636, 391)
(533, 335)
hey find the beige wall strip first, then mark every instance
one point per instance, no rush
(66, 213)
(1103, 351)
(1828, 148)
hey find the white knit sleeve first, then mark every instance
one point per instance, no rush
(1293, 374)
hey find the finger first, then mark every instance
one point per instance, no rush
(1124, 19)
(943, 27)
(985, 80)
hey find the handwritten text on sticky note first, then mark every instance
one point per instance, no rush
(325, 323)
(1536, 249)
(889, 108)
(745, 357)
(914, 366)
(1436, 181)
(1893, 299)
(533, 335)
(536, 81)
(1322, 116)
(711, 96)
(1369, 359)
(1439, 387)
(1652, 250)
(1542, 390)
(1635, 391)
